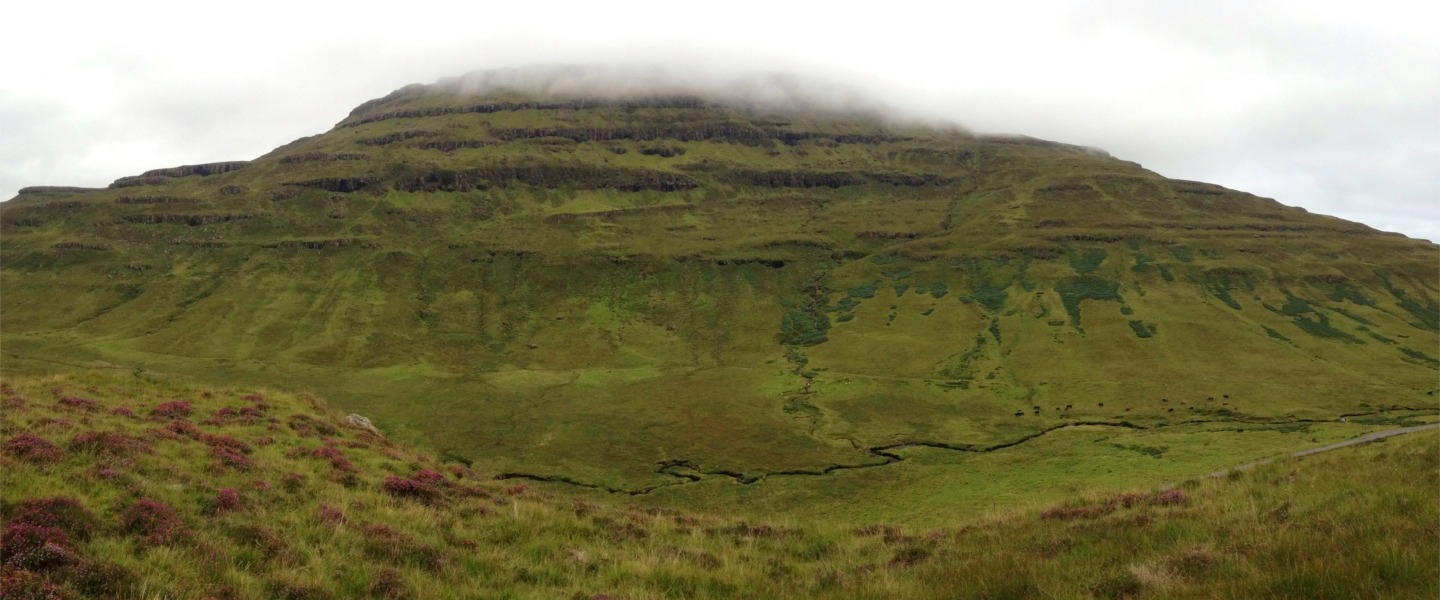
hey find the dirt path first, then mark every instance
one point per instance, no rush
(1364, 439)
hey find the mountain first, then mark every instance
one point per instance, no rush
(724, 301)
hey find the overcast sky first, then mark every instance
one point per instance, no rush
(1327, 105)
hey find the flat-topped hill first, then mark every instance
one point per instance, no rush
(720, 300)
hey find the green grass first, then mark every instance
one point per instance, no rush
(1345, 523)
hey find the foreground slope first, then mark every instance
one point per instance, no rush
(719, 304)
(117, 486)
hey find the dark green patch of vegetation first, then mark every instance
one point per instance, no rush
(995, 329)
(1086, 287)
(939, 289)
(962, 371)
(1165, 273)
(900, 289)
(1085, 262)
(863, 291)
(1295, 305)
(1223, 293)
(804, 324)
(1427, 317)
(1275, 334)
(992, 296)
(1141, 330)
(852, 299)
(1181, 253)
(1344, 291)
(1219, 282)
(1142, 262)
(1420, 356)
(1353, 317)
(1320, 327)
(801, 406)
(1317, 325)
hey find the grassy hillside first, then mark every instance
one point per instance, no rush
(738, 308)
(124, 486)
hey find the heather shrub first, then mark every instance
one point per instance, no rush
(1169, 497)
(112, 443)
(123, 411)
(101, 579)
(13, 403)
(32, 448)
(35, 548)
(308, 426)
(183, 428)
(60, 512)
(387, 544)
(20, 584)
(1064, 513)
(227, 458)
(429, 476)
(1130, 500)
(84, 404)
(389, 584)
(177, 409)
(292, 482)
(336, 458)
(226, 500)
(231, 415)
(401, 487)
(227, 443)
(155, 522)
(331, 516)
